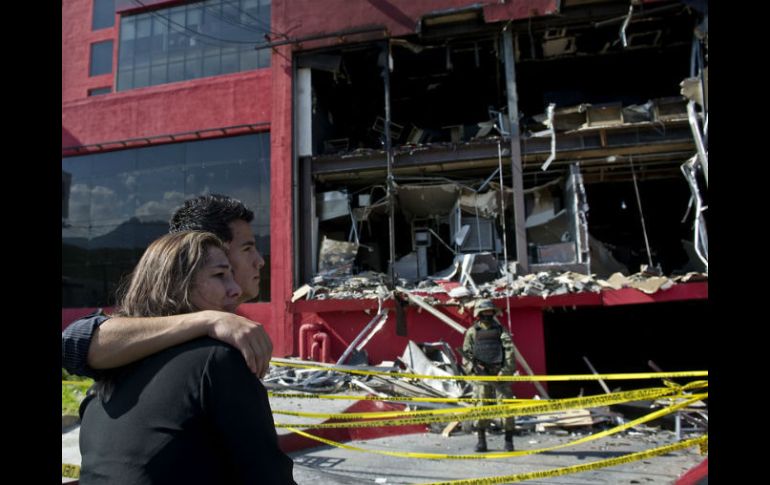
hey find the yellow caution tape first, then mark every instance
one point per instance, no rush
(481, 412)
(70, 471)
(538, 405)
(556, 472)
(369, 397)
(441, 456)
(507, 454)
(576, 377)
(527, 404)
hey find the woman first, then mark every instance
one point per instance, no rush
(193, 413)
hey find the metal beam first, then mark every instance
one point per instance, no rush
(516, 171)
(385, 58)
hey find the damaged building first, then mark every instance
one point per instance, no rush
(549, 154)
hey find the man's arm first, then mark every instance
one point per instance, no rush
(509, 362)
(122, 340)
(75, 341)
(468, 342)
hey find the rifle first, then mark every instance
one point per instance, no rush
(479, 367)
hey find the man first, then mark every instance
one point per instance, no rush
(99, 342)
(488, 350)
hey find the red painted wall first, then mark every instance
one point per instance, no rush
(76, 40)
(281, 210)
(343, 326)
(265, 96)
(194, 105)
(400, 17)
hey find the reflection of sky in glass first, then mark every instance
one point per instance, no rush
(121, 201)
(149, 184)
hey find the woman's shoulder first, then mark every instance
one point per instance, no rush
(200, 349)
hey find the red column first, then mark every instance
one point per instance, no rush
(527, 329)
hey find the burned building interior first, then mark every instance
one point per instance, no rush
(602, 128)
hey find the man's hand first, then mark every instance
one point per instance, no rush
(248, 336)
(122, 340)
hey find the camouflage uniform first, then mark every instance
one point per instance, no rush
(488, 350)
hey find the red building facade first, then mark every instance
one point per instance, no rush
(263, 101)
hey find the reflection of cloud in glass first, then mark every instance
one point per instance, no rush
(246, 195)
(79, 202)
(105, 204)
(129, 180)
(171, 201)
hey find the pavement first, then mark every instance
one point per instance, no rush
(331, 465)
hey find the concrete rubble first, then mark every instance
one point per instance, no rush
(372, 285)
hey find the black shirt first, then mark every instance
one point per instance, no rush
(193, 413)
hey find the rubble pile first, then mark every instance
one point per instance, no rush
(372, 285)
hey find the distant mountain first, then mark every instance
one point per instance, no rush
(130, 234)
(137, 234)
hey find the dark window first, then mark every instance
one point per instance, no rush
(103, 14)
(98, 91)
(101, 58)
(194, 40)
(116, 203)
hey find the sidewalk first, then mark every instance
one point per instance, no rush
(332, 466)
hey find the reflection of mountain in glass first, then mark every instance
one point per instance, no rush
(66, 181)
(93, 268)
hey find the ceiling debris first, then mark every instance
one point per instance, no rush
(394, 174)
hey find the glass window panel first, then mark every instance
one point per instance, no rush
(98, 91)
(176, 71)
(111, 163)
(160, 191)
(76, 176)
(101, 58)
(231, 13)
(229, 61)
(125, 79)
(103, 14)
(211, 20)
(177, 36)
(211, 65)
(143, 26)
(118, 202)
(111, 202)
(263, 19)
(249, 59)
(158, 74)
(143, 42)
(126, 54)
(168, 156)
(168, 36)
(263, 58)
(128, 28)
(194, 19)
(192, 68)
(141, 77)
(159, 41)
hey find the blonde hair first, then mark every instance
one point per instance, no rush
(162, 281)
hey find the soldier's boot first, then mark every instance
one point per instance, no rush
(482, 443)
(509, 440)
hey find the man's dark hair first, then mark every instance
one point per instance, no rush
(210, 213)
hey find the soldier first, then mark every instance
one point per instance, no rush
(488, 350)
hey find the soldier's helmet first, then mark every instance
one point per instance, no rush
(485, 304)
